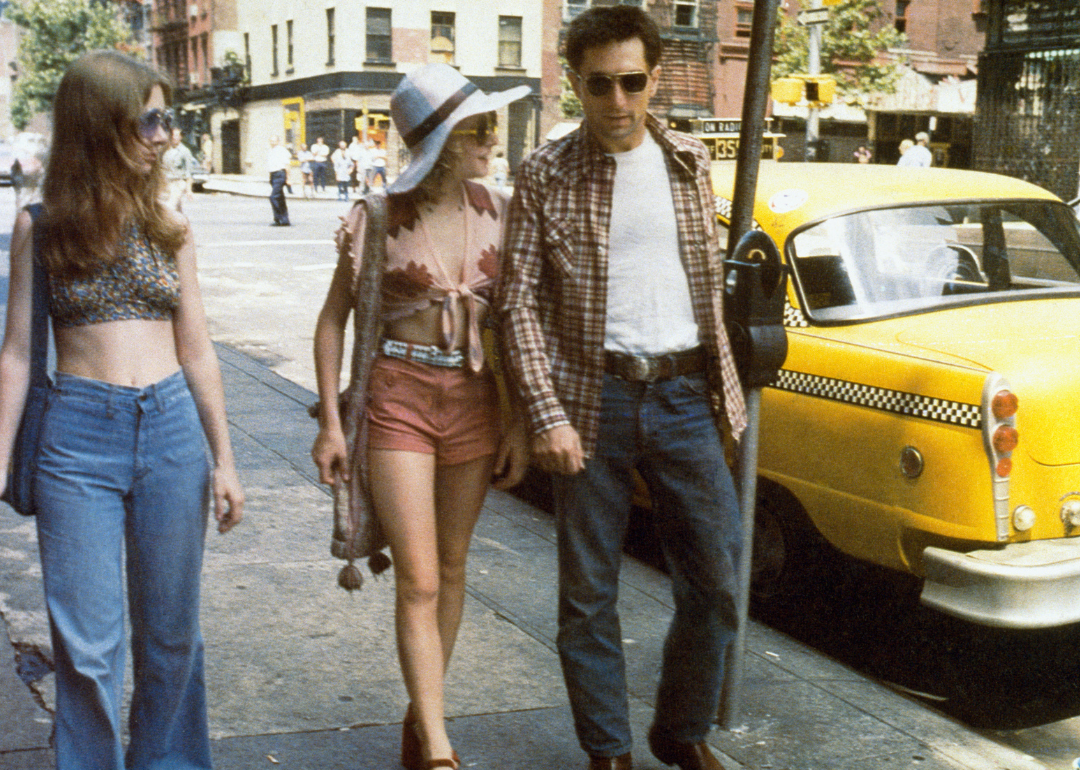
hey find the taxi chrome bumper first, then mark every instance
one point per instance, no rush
(1022, 585)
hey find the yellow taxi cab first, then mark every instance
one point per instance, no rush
(927, 417)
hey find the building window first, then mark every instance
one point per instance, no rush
(685, 13)
(573, 7)
(442, 37)
(510, 41)
(744, 20)
(900, 19)
(329, 36)
(193, 75)
(288, 47)
(378, 35)
(273, 50)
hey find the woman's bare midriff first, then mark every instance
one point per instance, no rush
(425, 327)
(135, 353)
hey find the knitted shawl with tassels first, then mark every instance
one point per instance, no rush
(357, 533)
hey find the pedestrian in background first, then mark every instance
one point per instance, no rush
(206, 147)
(613, 332)
(918, 154)
(320, 164)
(377, 158)
(434, 441)
(179, 165)
(122, 478)
(361, 158)
(278, 160)
(343, 169)
(305, 158)
(863, 154)
(500, 169)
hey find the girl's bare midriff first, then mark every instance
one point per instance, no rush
(425, 327)
(135, 353)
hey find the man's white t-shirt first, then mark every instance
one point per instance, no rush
(649, 310)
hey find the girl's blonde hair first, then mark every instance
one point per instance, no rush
(93, 187)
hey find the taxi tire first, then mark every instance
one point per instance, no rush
(790, 557)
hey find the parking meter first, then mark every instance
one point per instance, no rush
(754, 316)
(754, 309)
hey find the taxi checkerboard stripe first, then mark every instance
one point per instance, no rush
(898, 401)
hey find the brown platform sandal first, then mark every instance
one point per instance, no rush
(411, 750)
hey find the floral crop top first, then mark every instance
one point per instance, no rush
(415, 276)
(141, 283)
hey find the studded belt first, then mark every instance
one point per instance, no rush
(424, 354)
(654, 368)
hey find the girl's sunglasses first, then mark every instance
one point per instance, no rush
(599, 84)
(152, 120)
(482, 131)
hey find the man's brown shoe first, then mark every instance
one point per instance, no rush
(688, 756)
(621, 762)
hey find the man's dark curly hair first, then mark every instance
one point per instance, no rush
(602, 25)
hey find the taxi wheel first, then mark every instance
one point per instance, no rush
(787, 550)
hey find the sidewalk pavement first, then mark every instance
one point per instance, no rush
(303, 675)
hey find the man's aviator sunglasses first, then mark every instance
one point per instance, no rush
(599, 84)
(150, 121)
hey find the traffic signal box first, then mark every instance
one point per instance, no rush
(817, 90)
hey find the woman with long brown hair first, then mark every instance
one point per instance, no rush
(123, 477)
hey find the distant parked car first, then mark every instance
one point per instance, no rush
(927, 418)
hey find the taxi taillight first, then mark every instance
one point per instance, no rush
(1004, 404)
(1001, 437)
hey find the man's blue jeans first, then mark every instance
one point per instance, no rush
(666, 431)
(123, 476)
(277, 197)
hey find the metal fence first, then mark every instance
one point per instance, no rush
(1028, 111)
(1028, 122)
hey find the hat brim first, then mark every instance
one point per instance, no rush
(426, 152)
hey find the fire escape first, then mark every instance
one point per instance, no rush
(170, 27)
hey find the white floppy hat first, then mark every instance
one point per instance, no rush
(426, 106)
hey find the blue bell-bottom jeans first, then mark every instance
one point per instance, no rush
(122, 486)
(666, 431)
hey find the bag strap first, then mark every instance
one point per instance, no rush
(371, 268)
(39, 319)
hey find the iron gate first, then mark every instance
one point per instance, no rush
(1028, 111)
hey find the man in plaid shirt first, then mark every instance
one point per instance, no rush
(610, 304)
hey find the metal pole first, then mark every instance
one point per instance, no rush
(755, 99)
(813, 67)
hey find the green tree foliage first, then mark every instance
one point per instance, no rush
(569, 104)
(857, 32)
(55, 33)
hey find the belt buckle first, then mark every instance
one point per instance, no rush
(642, 368)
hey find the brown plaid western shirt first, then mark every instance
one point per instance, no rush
(553, 290)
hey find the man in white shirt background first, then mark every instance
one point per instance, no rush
(278, 160)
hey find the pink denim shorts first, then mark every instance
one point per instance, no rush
(448, 412)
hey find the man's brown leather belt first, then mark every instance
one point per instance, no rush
(654, 368)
